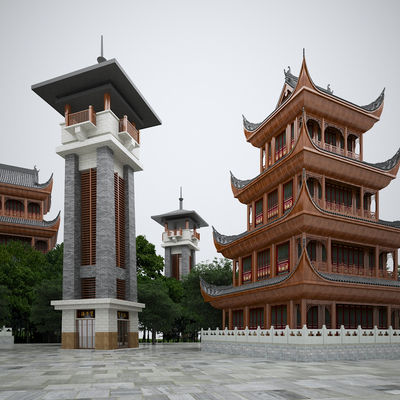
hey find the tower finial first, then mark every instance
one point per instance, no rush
(304, 52)
(101, 59)
(181, 201)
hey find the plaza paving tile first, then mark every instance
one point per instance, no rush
(183, 372)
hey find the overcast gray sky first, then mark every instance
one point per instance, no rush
(200, 65)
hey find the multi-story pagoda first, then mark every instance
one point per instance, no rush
(23, 203)
(315, 251)
(180, 240)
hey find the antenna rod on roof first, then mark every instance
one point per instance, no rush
(101, 59)
(181, 201)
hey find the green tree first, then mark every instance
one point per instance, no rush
(200, 314)
(4, 305)
(148, 263)
(21, 269)
(160, 312)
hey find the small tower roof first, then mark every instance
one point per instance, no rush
(87, 86)
(178, 217)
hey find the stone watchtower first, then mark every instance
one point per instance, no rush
(100, 144)
(180, 239)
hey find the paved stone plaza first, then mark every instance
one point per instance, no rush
(182, 371)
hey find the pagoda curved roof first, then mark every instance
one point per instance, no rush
(292, 80)
(31, 222)
(25, 177)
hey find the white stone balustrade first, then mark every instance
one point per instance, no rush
(304, 336)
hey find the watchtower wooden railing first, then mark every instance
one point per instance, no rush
(81, 116)
(126, 126)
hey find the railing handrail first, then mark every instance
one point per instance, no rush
(81, 116)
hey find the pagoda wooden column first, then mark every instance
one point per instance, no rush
(321, 316)
(262, 150)
(246, 317)
(67, 111)
(333, 315)
(240, 277)
(234, 272)
(265, 208)
(223, 318)
(323, 205)
(295, 187)
(25, 208)
(268, 317)
(329, 255)
(376, 261)
(273, 261)
(377, 206)
(375, 316)
(362, 201)
(272, 150)
(395, 264)
(292, 252)
(361, 148)
(230, 319)
(254, 267)
(280, 200)
(303, 312)
(396, 319)
(345, 141)
(388, 316)
(290, 314)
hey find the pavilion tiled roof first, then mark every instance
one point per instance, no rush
(25, 177)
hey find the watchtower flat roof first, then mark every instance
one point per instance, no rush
(87, 86)
(180, 215)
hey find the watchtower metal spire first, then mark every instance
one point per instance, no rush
(181, 201)
(101, 59)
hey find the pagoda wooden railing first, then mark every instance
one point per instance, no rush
(337, 150)
(174, 232)
(81, 116)
(126, 126)
(345, 210)
(196, 235)
(351, 269)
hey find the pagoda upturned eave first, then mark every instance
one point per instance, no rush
(304, 282)
(193, 217)
(306, 154)
(305, 215)
(317, 102)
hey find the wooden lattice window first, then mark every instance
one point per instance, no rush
(263, 264)
(88, 288)
(14, 208)
(41, 245)
(119, 195)
(280, 145)
(246, 265)
(33, 211)
(237, 319)
(88, 216)
(259, 212)
(279, 316)
(272, 205)
(287, 196)
(282, 258)
(256, 318)
(121, 289)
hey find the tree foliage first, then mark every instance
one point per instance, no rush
(148, 263)
(199, 313)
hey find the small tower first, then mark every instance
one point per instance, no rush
(100, 139)
(180, 239)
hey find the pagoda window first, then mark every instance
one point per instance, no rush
(323, 253)
(282, 258)
(41, 245)
(269, 155)
(371, 262)
(272, 205)
(237, 319)
(236, 271)
(351, 316)
(312, 318)
(33, 211)
(338, 198)
(246, 265)
(382, 261)
(280, 145)
(263, 265)
(14, 208)
(259, 212)
(382, 318)
(287, 196)
(347, 259)
(312, 250)
(256, 318)
(330, 136)
(310, 186)
(279, 316)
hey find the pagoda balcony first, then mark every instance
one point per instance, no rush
(351, 269)
(336, 150)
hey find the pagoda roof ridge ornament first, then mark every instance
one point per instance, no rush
(238, 183)
(250, 126)
(388, 164)
(225, 239)
(375, 104)
(101, 59)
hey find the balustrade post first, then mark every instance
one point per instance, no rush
(91, 117)
(67, 111)
(125, 124)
